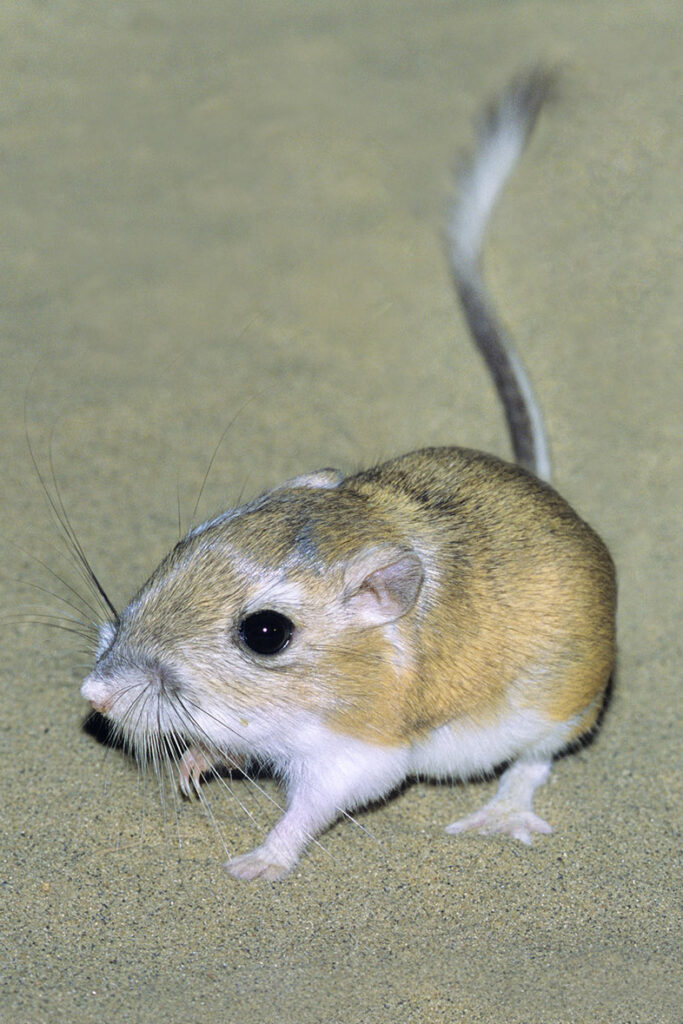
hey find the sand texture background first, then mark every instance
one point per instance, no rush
(222, 208)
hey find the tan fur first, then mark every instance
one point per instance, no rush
(519, 594)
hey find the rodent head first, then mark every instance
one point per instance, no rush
(286, 605)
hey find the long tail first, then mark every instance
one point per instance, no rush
(505, 128)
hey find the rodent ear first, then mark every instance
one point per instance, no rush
(382, 584)
(326, 478)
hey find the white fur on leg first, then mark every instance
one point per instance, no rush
(338, 774)
(511, 809)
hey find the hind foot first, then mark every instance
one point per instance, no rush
(510, 812)
(494, 819)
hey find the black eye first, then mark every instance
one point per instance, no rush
(266, 632)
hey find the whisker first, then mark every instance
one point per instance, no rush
(58, 510)
(52, 593)
(49, 622)
(206, 806)
(228, 788)
(214, 455)
(56, 616)
(180, 517)
(81, 557)
(247, 402)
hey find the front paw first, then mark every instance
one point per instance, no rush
(193, 764)
(258, 863)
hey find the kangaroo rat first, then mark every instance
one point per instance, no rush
(439, 615)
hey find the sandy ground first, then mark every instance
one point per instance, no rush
(217, 210)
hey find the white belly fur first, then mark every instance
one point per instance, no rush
(463, 748)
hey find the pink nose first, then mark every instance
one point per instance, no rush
(95, 693)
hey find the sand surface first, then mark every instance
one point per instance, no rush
(222, 210)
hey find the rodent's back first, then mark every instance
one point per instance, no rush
(519, 595)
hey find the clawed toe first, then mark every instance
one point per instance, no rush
(193, 764)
